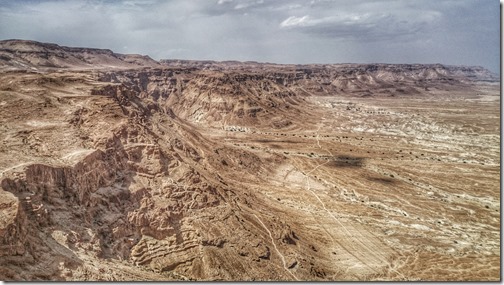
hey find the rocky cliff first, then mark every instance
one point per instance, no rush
(150, 193)
(118, 167)
(30, 55)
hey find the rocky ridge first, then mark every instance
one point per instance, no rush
(31, 55)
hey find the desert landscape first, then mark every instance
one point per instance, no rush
(118, 167)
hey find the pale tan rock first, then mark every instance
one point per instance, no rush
(117, 167)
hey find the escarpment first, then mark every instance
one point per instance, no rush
(148, 195)
(217, 100)
(119, 168)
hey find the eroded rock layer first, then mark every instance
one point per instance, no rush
(184, 170)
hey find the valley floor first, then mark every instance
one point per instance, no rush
(390, 188)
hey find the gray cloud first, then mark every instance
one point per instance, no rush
(365, 27)
(283, 31)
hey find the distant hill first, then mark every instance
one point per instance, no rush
(32, 55)
(22, 54)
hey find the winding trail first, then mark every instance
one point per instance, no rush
(276, 249)
(357, 244)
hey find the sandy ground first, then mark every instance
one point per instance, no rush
(403, 188)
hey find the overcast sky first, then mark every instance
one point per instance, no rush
(465, 32)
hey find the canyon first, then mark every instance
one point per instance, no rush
(122, 168)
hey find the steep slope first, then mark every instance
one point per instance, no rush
(115, 167)
(146, 193)
(350, 77)
(31, 55)
(224, 95)
(218, 99)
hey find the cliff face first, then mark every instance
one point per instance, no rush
(149, 192)
(227, 95)
(30, 55)
(117, 167)
(137, 200)
(219, 99)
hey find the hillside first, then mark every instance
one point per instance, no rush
(119, 167)
(31, 55)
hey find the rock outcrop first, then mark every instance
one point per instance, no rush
(31, 55)
(118, 167)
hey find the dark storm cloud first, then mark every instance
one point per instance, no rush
(319, 31)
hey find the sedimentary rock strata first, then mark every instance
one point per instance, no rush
(119, 167)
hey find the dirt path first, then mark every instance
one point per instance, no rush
(361, 246)
(276, 249)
